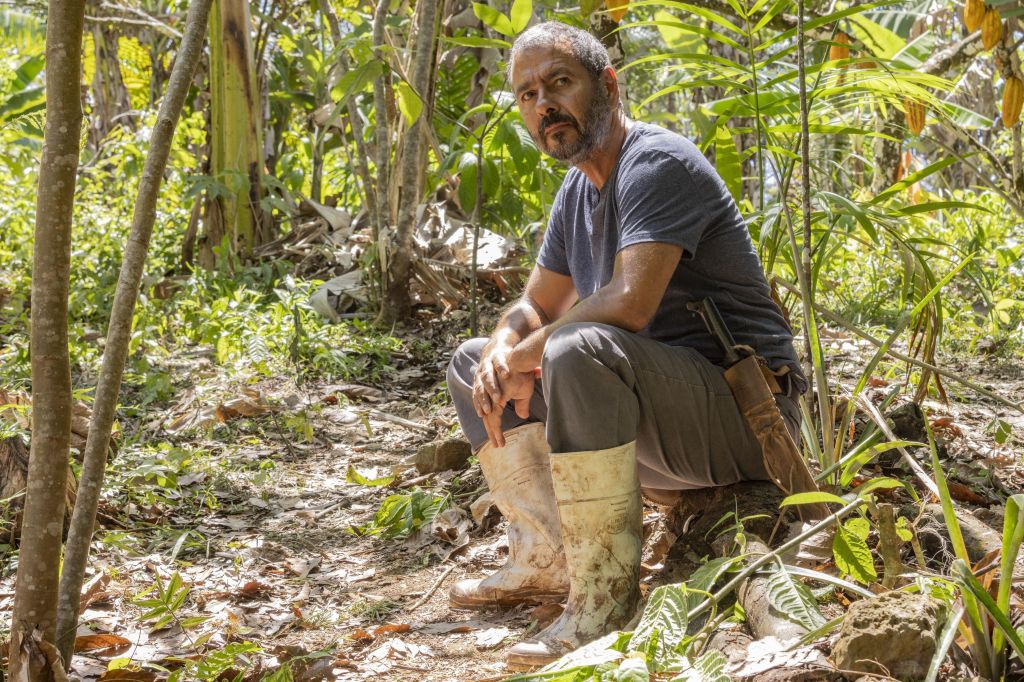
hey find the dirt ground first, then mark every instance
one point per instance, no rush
(257, 518)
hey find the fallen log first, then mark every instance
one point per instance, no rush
(763, 619)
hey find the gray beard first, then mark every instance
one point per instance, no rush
(599, 123)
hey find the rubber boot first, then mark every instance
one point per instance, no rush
(598, 497)
(519, 476)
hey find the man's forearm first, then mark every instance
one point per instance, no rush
(605, 306)
(516, 324)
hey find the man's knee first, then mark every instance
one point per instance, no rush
(576, 348)
(464, 361)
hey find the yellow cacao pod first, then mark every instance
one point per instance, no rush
(1013, 97)
(840, 48)
(914, 112)
(616, 9)
(991, 28)
(974, 12)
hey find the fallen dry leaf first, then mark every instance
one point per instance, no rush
(963, 493)
(102, 644)
(491, 638)
(389, 627)
(93, 592)
(253, 589)
(361, 635)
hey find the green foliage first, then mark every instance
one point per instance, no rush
(164, 607)
(793, 599)
(229, 663)
(852, 556)
(402, 514)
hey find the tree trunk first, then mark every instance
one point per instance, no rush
(119, 331)
(236, 136)
(382, 141)
(398, 303)
(110, 100)
(33, 622)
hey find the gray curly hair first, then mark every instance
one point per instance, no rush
(587, 49)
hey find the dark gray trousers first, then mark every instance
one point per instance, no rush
(602, 386)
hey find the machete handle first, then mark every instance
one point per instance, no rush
(708, 312)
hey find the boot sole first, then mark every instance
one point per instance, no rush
(528, 663)
(463, 602)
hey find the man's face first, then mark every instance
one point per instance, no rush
(566, 112)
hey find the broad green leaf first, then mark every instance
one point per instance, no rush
(679, 36)
(881, 41)
(686, 8)
(853, 557)
(629, 670)
(859, 526)
(356, 80)
(519, 15)
(812, 498)
(475, 41)
(353, 475)
(409, 103)
(705, 577)
(727, 161)
(710, 667)
(793, 599)
(879, 484)
(664, 620)
(493, 18)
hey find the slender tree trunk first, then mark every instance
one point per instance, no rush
(398, 303)
(382, 140)
(119, 331)
(33, 622)
(236, 134)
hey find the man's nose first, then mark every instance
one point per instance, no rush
(544, 104)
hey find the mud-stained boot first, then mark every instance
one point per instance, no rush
(519, 476)
(598, 497)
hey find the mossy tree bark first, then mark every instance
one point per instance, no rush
(236, 137)
(115, 352)
(33, 622)
(397, 304)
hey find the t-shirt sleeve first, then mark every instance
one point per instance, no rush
(661, 200)
(552, 254)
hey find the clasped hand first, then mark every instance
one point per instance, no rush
(495, 385)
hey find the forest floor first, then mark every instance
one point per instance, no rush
(243, 536)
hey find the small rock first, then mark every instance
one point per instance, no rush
(893, 634)
(443, 455)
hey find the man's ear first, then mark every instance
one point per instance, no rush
(611, 84)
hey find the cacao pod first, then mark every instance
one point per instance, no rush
(903, 168)
(914, 112)
(840, 50)
(974, 12)
(616, 9)
(1013, 97)
(991, 28)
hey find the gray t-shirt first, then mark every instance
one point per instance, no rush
(663, 190)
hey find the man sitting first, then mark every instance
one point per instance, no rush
(599, 380)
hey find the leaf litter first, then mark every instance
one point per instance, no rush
(273, 557)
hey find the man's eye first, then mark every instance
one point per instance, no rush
(562, 80)
(526, 96)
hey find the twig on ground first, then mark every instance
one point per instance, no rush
(433, 588)
(401, 421)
